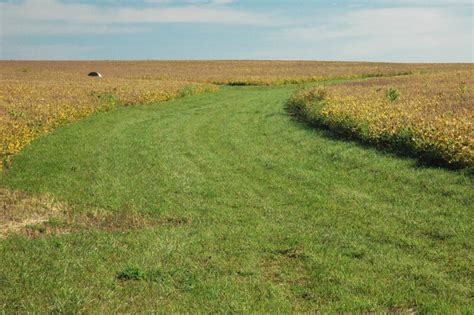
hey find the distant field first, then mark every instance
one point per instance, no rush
(217, 72)
(195, 202)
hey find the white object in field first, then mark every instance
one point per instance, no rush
(95, 74)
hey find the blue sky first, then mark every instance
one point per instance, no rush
(377, 30)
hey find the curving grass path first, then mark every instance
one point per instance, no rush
(247, 211)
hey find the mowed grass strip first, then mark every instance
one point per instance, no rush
(254, 213)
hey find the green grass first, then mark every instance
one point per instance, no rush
(266, 215)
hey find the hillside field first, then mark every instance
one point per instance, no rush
(236, 186)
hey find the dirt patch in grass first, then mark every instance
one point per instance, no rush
(19, 211)
(402, 310)
(171, 221)
(292, 253)
(36, 216)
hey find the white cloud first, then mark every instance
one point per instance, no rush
(379, 22)
(417, 30)
(222, 2)
(378, 34)
(423, 2)
(202, 2)
(35, 16)
(47, 52)
(42, 28)
(191, 14)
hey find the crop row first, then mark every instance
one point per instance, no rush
(430, 116)
(30, 108)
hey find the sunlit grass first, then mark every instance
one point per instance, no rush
(222, 203)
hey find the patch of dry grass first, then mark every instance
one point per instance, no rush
(40, 215)
(20, 210)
